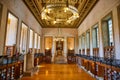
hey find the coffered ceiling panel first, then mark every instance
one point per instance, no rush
(60, 13)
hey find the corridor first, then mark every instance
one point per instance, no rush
(60, 72)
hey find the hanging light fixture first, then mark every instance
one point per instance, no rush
(59, 37)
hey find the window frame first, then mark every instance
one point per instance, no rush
(88, 31)
(97, 38)
(6, 25)
(8, 11)
(106, 18)
(29, 37)
(20, 35)
(109, 31)
(80, 46)
(83, 35)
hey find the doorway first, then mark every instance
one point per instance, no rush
(59, 48)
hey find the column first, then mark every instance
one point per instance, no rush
(116, 34)
(85, 44)
(53, 49)
(101, 54)
(65, 46)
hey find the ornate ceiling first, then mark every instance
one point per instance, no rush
(58, 16)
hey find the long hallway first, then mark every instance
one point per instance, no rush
(60, 72)
(62, 39)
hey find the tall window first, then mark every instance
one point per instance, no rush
(110, 32)
(35, 40)
(23, 40)
(31, 39)
(38, 45)
(95, 36)
(39, 42)
(83, 41)
(11, 30)
(88, 39)
(107, 31)
(80, 42)
(11, 35)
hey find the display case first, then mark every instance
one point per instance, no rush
(9, 50)
(109, 52)
(106, 68)
(88, 52)
(71, 58)
(96, 52)
(38, 58)
(83, 51)
(11, 69)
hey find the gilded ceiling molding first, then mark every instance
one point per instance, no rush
(83, 7)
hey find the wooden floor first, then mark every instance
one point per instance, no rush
(60, 72)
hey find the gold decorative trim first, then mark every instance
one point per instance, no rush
(83, 6)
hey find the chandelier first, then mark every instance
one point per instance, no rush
(59, 37)
(59, 13)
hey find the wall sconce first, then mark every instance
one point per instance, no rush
(71, 48)
(47, 48)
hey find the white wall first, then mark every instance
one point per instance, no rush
(65, 32)
(19, 9)
(101, 9)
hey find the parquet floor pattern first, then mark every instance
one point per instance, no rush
(59, 72)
